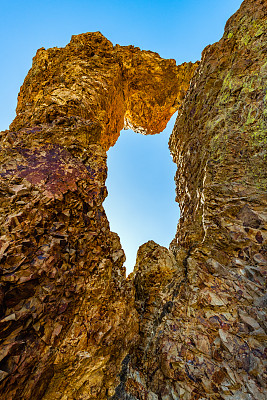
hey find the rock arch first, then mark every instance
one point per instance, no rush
(190, 323)
(105, 87)
(63, 284)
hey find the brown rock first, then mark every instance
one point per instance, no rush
(202, 348)
(190, 322)
(68, 316)
(91, 89)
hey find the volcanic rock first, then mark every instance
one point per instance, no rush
(190, 321)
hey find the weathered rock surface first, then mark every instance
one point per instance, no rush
(61, 283)
(190, 323)
(90, 90)
(67, 312)
(205, 335)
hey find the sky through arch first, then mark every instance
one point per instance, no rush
(141, 191)
(178, 29)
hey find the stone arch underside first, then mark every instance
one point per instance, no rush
(190, 322)
(104, 88)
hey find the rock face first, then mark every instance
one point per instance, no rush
(204, 335)
(90, 90)
(68, 316)
(190, 322)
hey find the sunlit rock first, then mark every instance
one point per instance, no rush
(189, 323)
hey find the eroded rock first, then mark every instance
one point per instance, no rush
(190, 322)
(211, 343)
(68, 314)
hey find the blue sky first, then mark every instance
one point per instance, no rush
(141, 172)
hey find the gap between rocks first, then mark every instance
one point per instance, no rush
(141, 202)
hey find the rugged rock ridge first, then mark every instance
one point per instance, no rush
(191, 322)
(203, 334)
(97, 89)
(67, 312)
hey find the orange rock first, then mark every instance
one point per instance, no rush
(190, 322)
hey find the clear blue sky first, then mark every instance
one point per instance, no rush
(141, 190)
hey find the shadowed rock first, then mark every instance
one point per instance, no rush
(190, 322)
(67, 312)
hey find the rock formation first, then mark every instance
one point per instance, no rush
(190, 322)
(203, 335)
(68, 314)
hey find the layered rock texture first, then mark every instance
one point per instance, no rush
(68, 316)
(190, 322)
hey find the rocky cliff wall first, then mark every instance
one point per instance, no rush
(68, 317)
(190, 322)
(203, 331)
